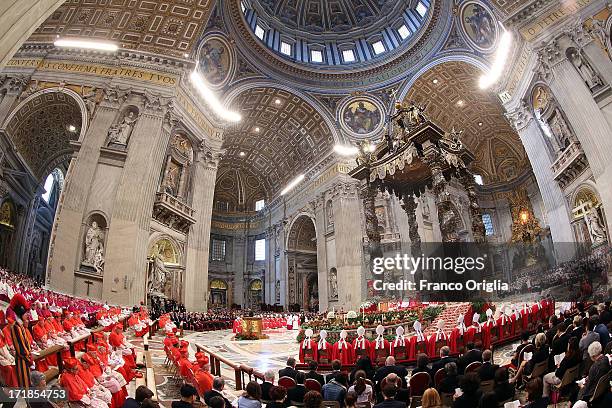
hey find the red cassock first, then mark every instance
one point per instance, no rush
(379, 350)
(8, 372)
(237, 326)
(95, 365)
(308, 350)
(536, 315)
(400, 348)
(490, 333)
(417, 346)
(343, 351)
(526, 313)
(204, 381)
(325, 352)
(75, 385)
(474, 334)
(361, 347)
(504, 324)
(457, 340)
(435, 342)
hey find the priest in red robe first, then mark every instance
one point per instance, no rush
(343, 350)
(399, 348)
(418, 342)
(361, 345)
(490, 330)
(437, 340)
(308, 348)
(457, 340)
(324, 349)
(504, 323)
(380, 347)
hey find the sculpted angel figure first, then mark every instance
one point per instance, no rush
(120, 134)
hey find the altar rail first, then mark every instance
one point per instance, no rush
(240, 370)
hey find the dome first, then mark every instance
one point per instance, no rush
(334, 35)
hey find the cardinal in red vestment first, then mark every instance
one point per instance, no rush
(437, 340)
(379, 348)
(361, 345)
(325, 352)
(308, 348)
(343, 350)
(490, 331)
(457, 339)
(399, 348)
(418, 343)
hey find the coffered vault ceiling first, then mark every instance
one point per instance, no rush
(170, 27)
(292, 137)
(456, 101)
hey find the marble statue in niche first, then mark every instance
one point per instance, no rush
(94, 247)
(171, 178)
(559, 128)
(277, 291)
(596, 229)
(333, 283)
(120, 133)
(159, 273)
(588, 74)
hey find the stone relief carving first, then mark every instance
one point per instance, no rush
(584, 68)
(329, 210)
(598, 32)
(120, 133)
(560, 129)
(91, 101)
(595, 226)
(93, 255)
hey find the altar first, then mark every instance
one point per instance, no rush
(252, 326)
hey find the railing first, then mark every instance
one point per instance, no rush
(566, 158)
(240, 370)
(174, 203)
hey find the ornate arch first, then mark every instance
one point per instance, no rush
(581, 194)
(301, 216)
(42, 141)
(172, 245)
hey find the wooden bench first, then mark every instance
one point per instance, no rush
(52, 372)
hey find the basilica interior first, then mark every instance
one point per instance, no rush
(259, 155)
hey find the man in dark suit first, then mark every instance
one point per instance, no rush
(267, 385)
(296, 394)
(389, 368)
(312, 374)
(336, 365)
(471, 356)
(486, 372)
(218, 385)
(290, 370)
(601, 365)
(389, 391)
(444, 359)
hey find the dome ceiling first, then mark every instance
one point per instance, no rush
(280, 136)
(453, 99)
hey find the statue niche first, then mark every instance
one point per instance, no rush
(120, 132)
(586, 71)
(175, 178)
(550, 117)
(93, 245)
(164, 270)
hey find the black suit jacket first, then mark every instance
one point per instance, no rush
(315, 376)
(296, 393)
(382, 372)
(486, 372)
(435, 366)
(287, 372)
(469, 357)
(598, 370)
(214, 393)
(265, 390)
(390, 404)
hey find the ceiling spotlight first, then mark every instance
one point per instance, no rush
(90, 45)
(291, 185)
(277, 101)
(346, 150)
(435, 81)
(71, 128)
(460, 103)
(211, 99)
(479, 123)
(242, 154)
(186, 55)
(257, 129)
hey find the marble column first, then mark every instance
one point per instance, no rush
(198, 240)
(269, 280)
(65, 249)
(349, 250)
(128, 235)
(541, 160)
(583, 113)
(239, 262)
(322, 275)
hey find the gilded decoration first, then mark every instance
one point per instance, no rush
(583, 202)
(218, 284)
(479, 25)
(216, 60)
(541, 98)
(361, 116)
(256, 285)
(525, 226)
(7, 214)
(397, 163)
(165, 250)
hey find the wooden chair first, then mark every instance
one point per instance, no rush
(331, 404)
(539, 369)
(527, 349)
(473, 367)
(286, 382)
(418, 384)
(571, 375)
(603, 385)
(296, 404)
(312, 385)
(439, 376)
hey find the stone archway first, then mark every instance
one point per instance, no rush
(302, 264)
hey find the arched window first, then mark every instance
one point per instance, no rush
(53, 182)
